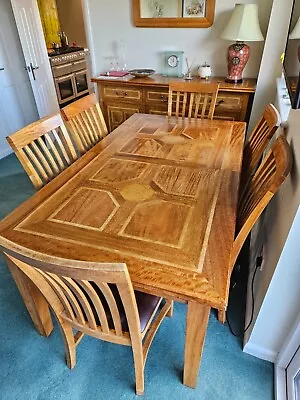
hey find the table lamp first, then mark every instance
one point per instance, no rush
(295, 34)
(242, 26)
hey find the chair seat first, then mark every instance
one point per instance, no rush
(146, 304)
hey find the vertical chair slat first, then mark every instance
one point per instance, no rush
(109, 297)
(85, 130)
(191, 105)
(81, 298)
(69, 145)
(95, 124)
(204, 106)
(92, 127)
(198, 99)
(48, 155)
(59, 144)
(59, 160)
(177, 104)
(170, 103)
(36, 163)
(97, 304)
(103, 130)
(212, 105)
(42, 159)
(78, 135)
(184, 103)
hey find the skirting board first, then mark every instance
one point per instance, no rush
(4, 153)
(260, 352)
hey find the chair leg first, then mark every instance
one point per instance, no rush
(138, 367)
(69, 341)
(222, 316)
(170, 312)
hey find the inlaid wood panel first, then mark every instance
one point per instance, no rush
(157, 194)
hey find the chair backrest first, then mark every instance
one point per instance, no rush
(198, 100)
(86, 122)
(44, 148)
(258, 142)
(261, 188)
(93, 296)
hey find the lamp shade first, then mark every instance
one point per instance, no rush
(295, 34)
(243, 24)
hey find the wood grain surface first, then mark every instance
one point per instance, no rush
(158, 194)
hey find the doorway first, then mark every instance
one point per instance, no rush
(17, 105)
(287, 366)
(37, 31)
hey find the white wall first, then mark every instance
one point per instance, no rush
(277, 289)
(112, 21)
(277, 286)
(271, 67)
(71, 21)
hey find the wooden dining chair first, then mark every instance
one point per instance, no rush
(85, 121)
(93, 298)
(258, 142)
(198, 100)
(44, 148)
(262, 187)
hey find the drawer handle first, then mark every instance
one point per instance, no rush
(122, 94)
(220, 102)
(163, 99)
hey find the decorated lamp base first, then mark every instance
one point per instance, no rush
(238, 55)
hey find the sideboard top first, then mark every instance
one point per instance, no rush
(248, 85)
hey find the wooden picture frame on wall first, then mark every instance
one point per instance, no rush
(206, 19)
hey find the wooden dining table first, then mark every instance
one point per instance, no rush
(159, 194)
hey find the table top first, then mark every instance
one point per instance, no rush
(159, 194)
(247, 86)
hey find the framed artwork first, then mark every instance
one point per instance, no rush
(173, 13)
(193, 8)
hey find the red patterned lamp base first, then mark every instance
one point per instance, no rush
(238, 55)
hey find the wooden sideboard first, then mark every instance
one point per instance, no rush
(122, 97)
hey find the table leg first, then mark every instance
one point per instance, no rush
(34, 301)
(196, 325)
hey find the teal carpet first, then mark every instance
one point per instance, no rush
(33, 367)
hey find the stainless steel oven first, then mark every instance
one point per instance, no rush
(70, 76)
(65, 88)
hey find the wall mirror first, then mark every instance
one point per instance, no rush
(292, 57)
(173, 13)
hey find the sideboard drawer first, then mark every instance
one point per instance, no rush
(156, 96)
(231, 106)
(121, 92)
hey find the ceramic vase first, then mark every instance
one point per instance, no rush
(238, 56)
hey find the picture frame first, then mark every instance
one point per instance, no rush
(202, 19)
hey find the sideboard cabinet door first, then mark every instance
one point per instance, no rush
(116, 115)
